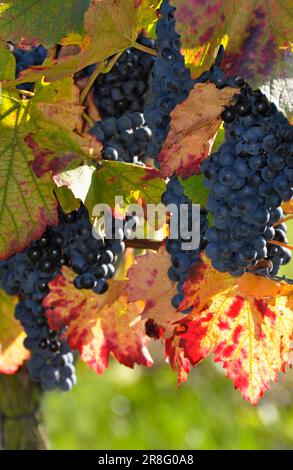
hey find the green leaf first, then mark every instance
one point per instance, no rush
(194, 189)
(66, 199)
(110, 26)
(279, 86)
(94, 186)
(219, 138)
(27, 203)
(7, 64)
(55, 138)
(45, 21)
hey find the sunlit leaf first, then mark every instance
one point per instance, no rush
(132, 182)
(194, 125)
(43, 22)
(247, 322)
(149, 281)
(98, 325)
(12, 351)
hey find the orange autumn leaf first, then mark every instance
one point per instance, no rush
(288, 207)
(194, 124)
(149, 281)
(98, 325)
(246, 322)
(12, 351)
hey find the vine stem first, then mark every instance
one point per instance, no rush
(275, 242)
(143, 244)
(100, 68)
(21, 424)
(288, 217)
(26, 93)
(143, 48)
(88, 119)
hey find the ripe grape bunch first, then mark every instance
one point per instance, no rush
(124, 139)
(27, 274)
(125, 87)
(26, 59)
(182, 260)
(171, 80)
(249, 177)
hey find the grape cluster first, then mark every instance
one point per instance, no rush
(216, 74)
(171, 80)
(28, 274)
(249, 176)
(92, 259)
(125, 87)
(182, 260)
(26, 59)
(124, 138)
(52, 361)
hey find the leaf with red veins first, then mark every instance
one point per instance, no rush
(247, 323)
(194, 125)
(12, 351)
(149, 281)
(255, 33)
(55, 140)
(27, 203)
(98, 325)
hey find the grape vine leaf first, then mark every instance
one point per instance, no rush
(12, 351)
(66, 199)
(110, 27)
(24, 198)
(57, 140)
(256, 34)
(279, 86)
(195, 189)
(132, 182)
(288, 207)
(7, 63)
(44, 22)
(113, 25)
(148, 281)
(247, 322)
(175, 354)
(98, 325)
(194, 125)
(39, 137)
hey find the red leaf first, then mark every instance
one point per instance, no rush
(98, 324)
(255, 32)
(149, 281)
(247, 322)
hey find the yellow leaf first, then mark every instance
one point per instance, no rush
(12, 351)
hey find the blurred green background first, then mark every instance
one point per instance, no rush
(144, 409)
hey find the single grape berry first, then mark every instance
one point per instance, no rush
(46, 265)
(44, 343)
(228, 115)
(34, 253)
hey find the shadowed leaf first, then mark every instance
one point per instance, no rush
(255, 32)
